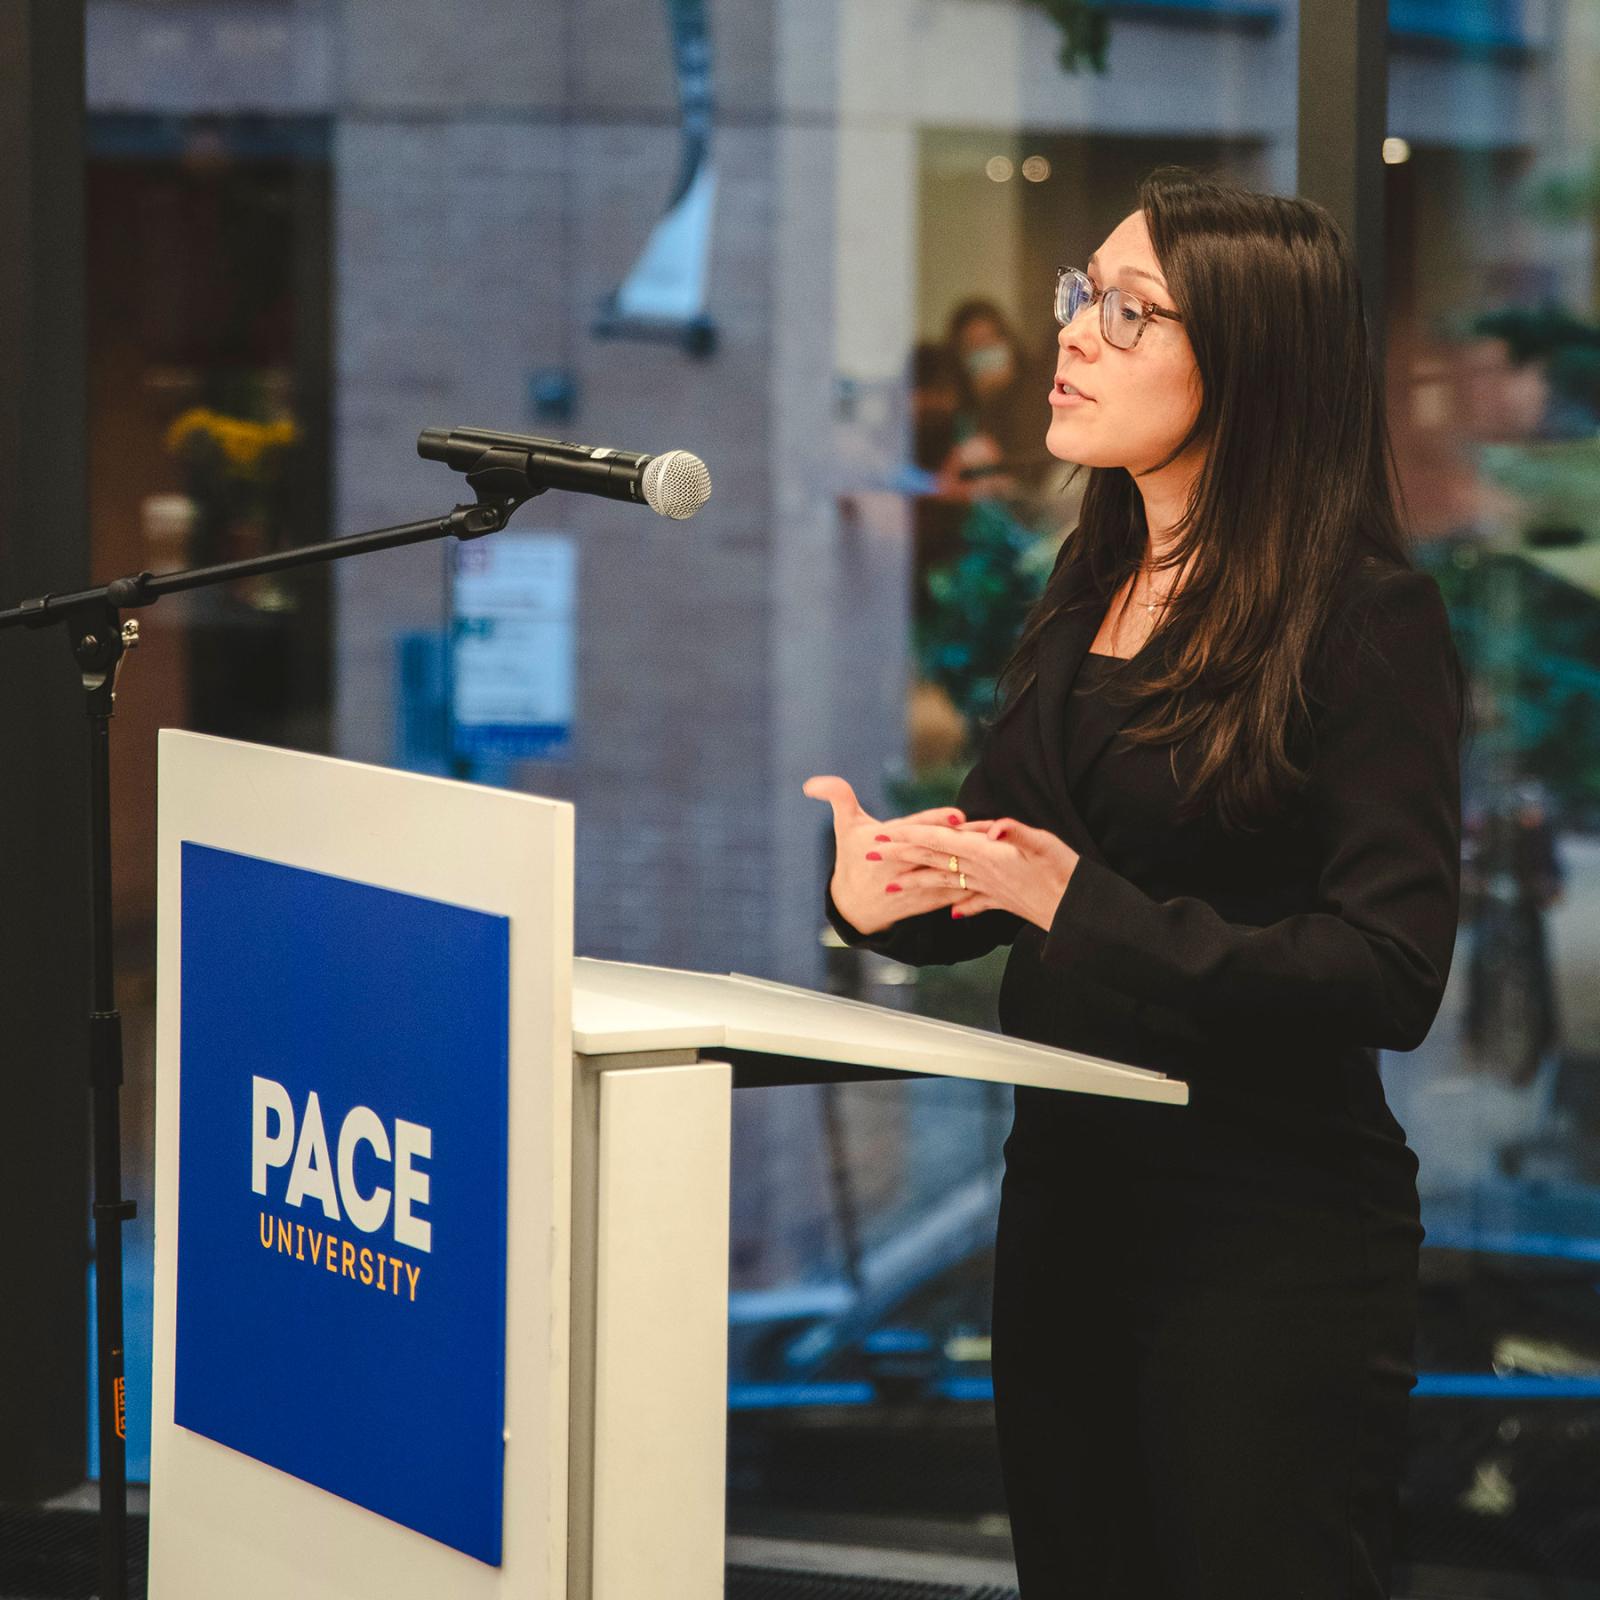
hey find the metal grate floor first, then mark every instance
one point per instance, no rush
(772, 1583)
(51, 1555)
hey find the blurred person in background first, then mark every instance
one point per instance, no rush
(934, 399)
(1511, 876)
(995, 451)
(1204, 1316)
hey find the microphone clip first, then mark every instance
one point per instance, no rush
(502, 482)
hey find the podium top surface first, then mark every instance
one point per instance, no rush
(623, 1008)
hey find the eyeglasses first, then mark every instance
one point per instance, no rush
(1123, 316)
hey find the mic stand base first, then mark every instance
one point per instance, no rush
(99, 640)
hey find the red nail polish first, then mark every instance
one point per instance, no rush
(882, 838)
(954, 819)
(872, 855)
(893, 888)
(957, 914)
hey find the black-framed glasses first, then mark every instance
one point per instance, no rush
(1123, 316)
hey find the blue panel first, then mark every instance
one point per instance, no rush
(1266, 12)
(972, 1388)
(376, 1371)
(1463, 22)
(513, 741)
(1512, 1241)
(1517, 1386)
(771, 1396)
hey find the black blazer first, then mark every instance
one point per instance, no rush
(1265, 969)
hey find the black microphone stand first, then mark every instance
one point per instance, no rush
(99, 638)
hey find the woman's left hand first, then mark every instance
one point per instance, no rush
(1008, 865)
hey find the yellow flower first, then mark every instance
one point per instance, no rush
(241, 442)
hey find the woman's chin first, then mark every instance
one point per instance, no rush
(1066, 443)
(1060, 443)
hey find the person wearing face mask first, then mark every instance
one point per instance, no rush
(995, 426)
(1217, 821)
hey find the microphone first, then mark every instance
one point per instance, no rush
(674, 484)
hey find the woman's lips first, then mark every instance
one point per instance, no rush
(1060, 397)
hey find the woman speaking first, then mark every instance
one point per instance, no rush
(1217, 819)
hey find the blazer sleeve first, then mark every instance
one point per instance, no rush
(935, 938)
(1368, 964)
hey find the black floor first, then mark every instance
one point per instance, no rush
(51, 1555)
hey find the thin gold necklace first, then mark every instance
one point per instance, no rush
(1151, 605)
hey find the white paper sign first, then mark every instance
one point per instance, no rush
(514, 635)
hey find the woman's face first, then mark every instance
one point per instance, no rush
(1136, 404)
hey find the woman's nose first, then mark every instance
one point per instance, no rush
(1080, 333)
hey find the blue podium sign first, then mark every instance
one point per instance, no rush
(342, 1189)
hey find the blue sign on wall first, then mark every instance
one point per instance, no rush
(342, 1189)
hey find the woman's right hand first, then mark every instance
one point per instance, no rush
(873, 894)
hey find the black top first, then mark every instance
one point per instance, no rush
(1088, 710)
(1266, 969)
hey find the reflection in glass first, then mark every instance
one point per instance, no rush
(1494, 371)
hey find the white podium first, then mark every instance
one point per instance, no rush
(616, 1082)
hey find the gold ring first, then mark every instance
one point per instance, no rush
(963, 878)
(955, 865)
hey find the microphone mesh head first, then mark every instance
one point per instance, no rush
(676, 484)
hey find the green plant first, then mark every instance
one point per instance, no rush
(1530, 643)
(978, 602)
(1085, 32)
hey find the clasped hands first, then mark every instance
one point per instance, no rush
(888, 870)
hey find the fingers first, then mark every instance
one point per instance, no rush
(838, 794)
(848, 810)
(943, 842)
(932, 836)
(971, 906)
(938, 859)
(917, 880)
(998, 828)
(946, 816)
(918, 889)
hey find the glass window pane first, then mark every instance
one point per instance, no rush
(1494, 327)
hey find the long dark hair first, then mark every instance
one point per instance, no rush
(1297, 486)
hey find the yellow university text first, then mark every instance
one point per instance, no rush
(342, 1257)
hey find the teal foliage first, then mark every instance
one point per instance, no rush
(1531, 646)
(1085, 33)
(1085, 29)
(978, 603)
(974, 608)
